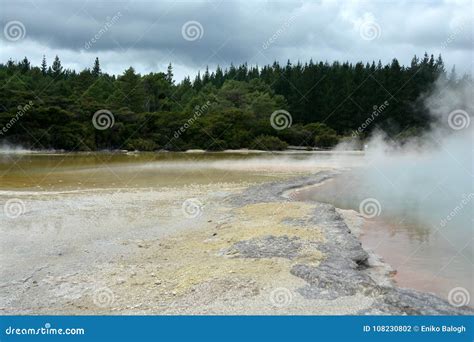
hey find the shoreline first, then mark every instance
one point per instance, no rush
(21, 151)
(354, 261)
(392, 241)
(255, 252)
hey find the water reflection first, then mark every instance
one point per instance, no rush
(93, 170)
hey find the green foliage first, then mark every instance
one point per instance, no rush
(314, 134)
(140, 145)
(322, 135)
(221, 109)
(297, 135)
(268, 143)
(326, 140)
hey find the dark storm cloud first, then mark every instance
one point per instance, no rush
(148, 34)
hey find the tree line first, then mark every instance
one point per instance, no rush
(50, 107)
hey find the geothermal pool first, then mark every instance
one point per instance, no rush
(429, 251)
(117, 193)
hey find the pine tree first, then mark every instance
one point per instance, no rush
(453, 75)
(244, 94)
(218, 77)
(130, 92)
(440, 65)
(197, 84)
(232, 73)
(414, 62)
(24, 65)
(169, 74)
(96, 69)
(57, 67)
(207, 77)
(44, 66)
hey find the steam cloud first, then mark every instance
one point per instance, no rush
(428, 179)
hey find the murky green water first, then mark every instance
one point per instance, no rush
(108, 170)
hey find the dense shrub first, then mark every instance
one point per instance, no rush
(268, 143)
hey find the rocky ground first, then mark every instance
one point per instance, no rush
(243, 250)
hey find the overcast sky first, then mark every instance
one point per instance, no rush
(192, 34)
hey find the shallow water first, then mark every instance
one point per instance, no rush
(84, 186)
(427, 254)
(46, 171)
(57, 208)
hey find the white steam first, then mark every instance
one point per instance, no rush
(428, 179)
(12, 149)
